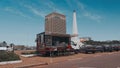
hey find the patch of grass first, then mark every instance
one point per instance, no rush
(8, 56)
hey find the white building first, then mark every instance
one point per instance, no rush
(83, 39)
(5, 47)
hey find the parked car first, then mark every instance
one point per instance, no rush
(99, 48)
(88, 49)
(108, 48)
(115, 47)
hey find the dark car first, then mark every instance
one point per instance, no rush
(99, 48)
(115, 47)
(108, 48)
(88, 49)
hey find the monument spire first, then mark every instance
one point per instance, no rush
(75, 29)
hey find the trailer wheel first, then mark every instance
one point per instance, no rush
(86, 52)
(93, 52)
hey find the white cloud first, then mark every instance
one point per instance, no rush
(87, 13)
(52, 6)
(12, 10)
(35, 10)
(95, 17)
(69, 3)
(80, 5)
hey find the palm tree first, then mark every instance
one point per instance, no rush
(4, 43)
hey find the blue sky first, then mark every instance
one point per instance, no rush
(21, 20)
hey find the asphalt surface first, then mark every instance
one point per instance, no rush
(104, 60)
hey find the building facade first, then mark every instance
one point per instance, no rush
(55, 23)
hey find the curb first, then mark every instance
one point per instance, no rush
(30, 55)
(32, 65)
(10, 62)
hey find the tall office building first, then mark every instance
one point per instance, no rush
(55, 23)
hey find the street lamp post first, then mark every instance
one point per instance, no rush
(51, 50)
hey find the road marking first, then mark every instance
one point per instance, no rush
(75, 59)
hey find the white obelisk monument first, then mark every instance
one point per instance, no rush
(75, 37)
(75, 29)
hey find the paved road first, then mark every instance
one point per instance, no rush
(105, 60)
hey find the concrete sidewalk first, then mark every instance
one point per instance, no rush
(31, 65)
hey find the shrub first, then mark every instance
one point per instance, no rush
(8, 56)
